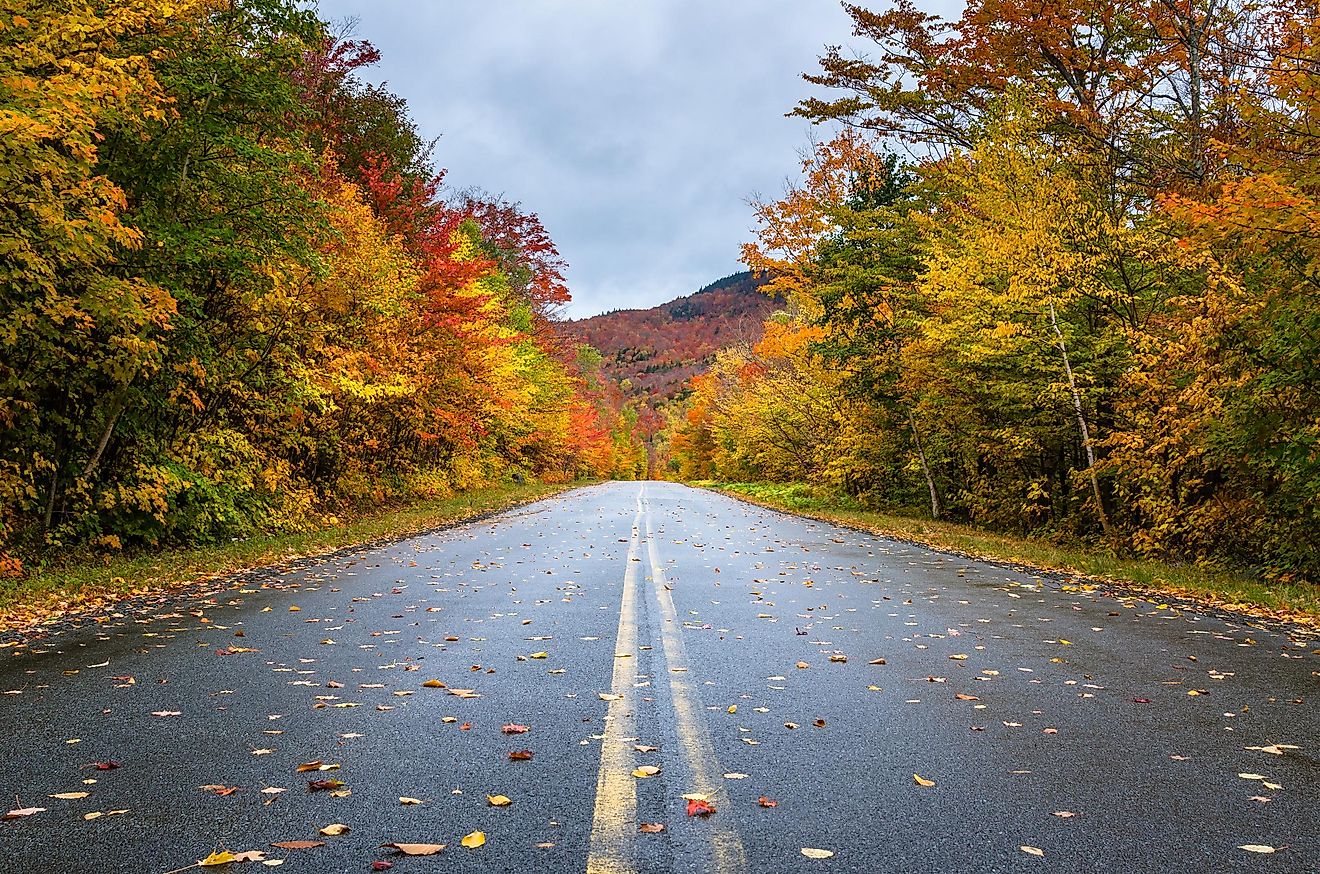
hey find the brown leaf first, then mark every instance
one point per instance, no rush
(297, 845)
(415, 849)
(520, 755)
(767, 802)
(335, 829)
(514, 728)
(651, 828)
(323, 785)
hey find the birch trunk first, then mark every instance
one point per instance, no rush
(936, 508)
(1081, 420)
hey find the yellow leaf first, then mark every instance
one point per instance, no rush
(224, 857)
(540, 655)
(433, 684)
(733, 708)
(498, 800)
(646, 771)
(69, 796)
(410, 801)
(922, 781)
(474, 840)
(335, 829)
(813, 853)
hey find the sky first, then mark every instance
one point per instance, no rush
(637, 130)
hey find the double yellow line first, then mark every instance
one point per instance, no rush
(614, 822)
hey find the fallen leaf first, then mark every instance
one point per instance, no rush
(646, 771)
(609, 696)
(1258, 848)
(814, 853)
(22, 812)
(1064, 814)
(324, 785)
(1032, 851)
(520, 755)
(411, 801)
(498, 800)
(922, 781)
(318, 765)
(474, 840)
(433, 684)
(297, 845)
(514, 728)
(68, 796)
(422, 849)
(539, 655)
(335, 829)
(222, 857)
(651, 828)
(699, 807)
(767, 802)
(841, 659)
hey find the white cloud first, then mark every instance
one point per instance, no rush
(637, 130)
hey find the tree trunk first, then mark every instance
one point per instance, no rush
(1081, 421)
(116, 407)
(936, 508)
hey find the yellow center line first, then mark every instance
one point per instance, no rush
(614, 821)
(693, 734)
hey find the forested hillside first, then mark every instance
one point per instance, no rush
(653, 352)
(236, 298)
(1089, 311)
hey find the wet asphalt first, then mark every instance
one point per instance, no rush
(1063, 730)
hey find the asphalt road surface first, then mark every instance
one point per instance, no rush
(652, 626)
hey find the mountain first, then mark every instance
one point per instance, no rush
(652, 353)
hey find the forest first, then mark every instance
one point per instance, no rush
(239, 296)
(1054, 274)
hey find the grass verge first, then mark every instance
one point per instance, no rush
(83, 583)
(1228, 590)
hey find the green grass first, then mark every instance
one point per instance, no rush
(84, 582)
(1220, 587)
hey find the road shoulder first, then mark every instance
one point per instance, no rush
(1292, 609)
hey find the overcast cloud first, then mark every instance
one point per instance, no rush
(637, 129)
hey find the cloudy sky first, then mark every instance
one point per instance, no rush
(637, 129)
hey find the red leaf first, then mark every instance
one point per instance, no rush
(514, 728)
(697, 807)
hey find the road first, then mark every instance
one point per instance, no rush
(635, 626)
